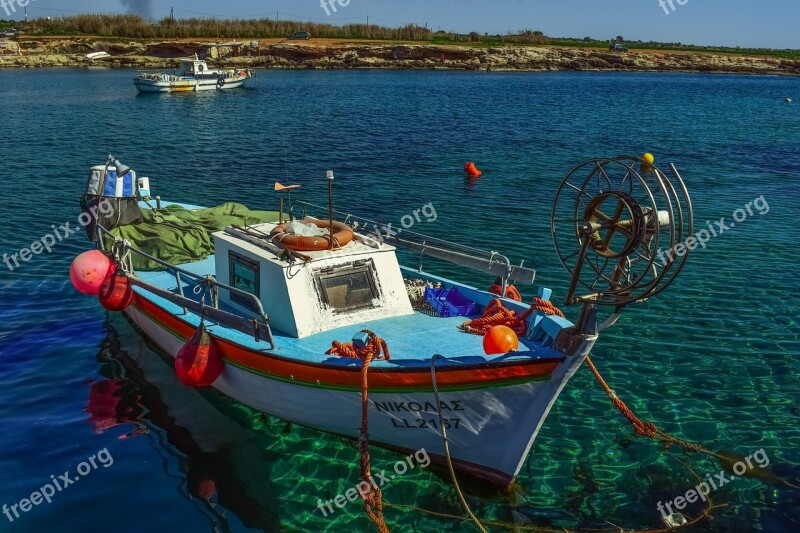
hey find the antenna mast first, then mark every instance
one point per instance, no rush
(330, 209)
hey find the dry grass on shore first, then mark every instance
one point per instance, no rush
(135, 27)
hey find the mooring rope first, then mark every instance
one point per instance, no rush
(646, 429)
(373, 503)
(705, 514)
(375, 348)
(447, 446)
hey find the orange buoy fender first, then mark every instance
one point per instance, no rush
(500, 339)
(116, 292)
(199, 362)
(88, 271)
(472, 170)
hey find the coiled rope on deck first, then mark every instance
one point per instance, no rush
(375, 347)
(496, 314)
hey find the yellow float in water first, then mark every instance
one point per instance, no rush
(647, 162)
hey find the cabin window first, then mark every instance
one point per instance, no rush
(349, 287)
(244, 275)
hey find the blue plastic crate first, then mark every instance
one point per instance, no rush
(449, 302)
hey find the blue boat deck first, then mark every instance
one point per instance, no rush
(412, 339)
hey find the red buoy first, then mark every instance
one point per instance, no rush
(116, 292)
(88, 271)
(207, 489)
(472, 170)
(199, 363)
(500, 339)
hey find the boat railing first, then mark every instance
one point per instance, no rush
(158, 75)
(258, 327)
(156, 71)
(378, 232)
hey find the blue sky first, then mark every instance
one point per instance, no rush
(750, 23)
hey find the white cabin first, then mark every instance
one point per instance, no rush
(192, 67)
(357, 283)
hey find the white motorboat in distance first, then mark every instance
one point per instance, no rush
(97, 55)
(192, 75)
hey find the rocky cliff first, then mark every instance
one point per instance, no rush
(316, 55)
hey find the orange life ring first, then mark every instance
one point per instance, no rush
(511, 291)
(342, 235)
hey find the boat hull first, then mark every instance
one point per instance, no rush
(144, 85)
(491, 424)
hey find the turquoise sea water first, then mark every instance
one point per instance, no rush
(713, 359)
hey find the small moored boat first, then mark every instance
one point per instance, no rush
(192, 75)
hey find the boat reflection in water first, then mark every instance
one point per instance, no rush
(228, 457)
(202, 442)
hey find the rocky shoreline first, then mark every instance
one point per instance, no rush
(315, 55)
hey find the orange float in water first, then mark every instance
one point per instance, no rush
(472, 170)
(88, 271)
(116, 292)
(500, 339)
(199, 363)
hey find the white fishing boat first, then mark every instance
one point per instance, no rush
(192, 75)
(261, 317)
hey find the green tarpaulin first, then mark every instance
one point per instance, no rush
(178, 235)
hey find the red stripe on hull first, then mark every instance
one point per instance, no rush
(331, 376)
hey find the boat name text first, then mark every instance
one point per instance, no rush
(418, 407)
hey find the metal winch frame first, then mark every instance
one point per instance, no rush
(620, 229)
